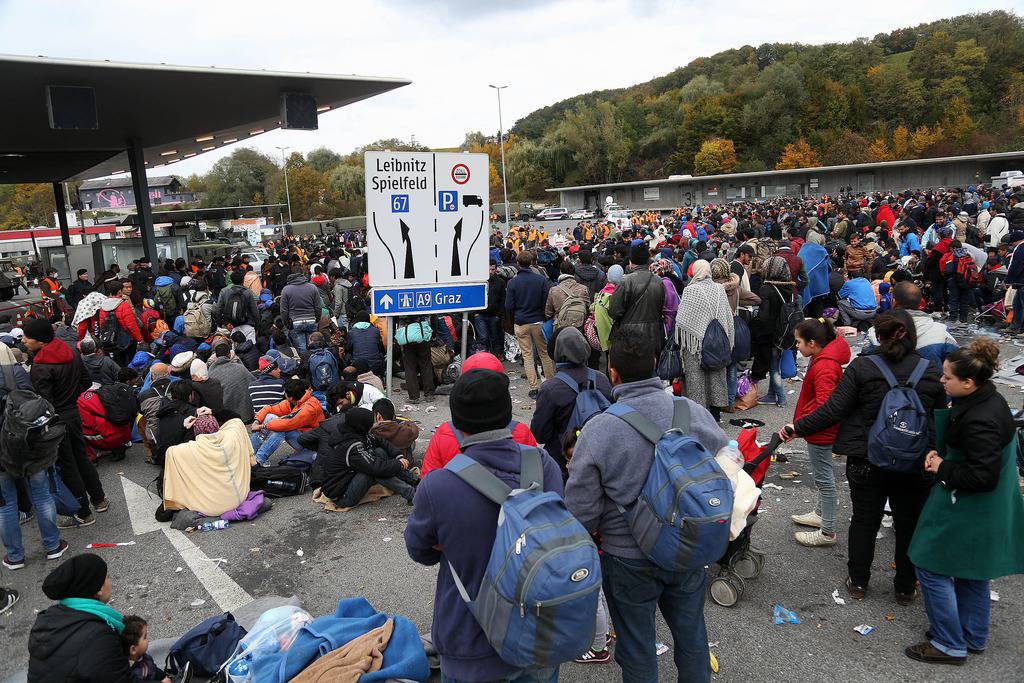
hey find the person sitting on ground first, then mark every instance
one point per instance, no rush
(364, 343)
(135, 639)
(79, 638)
(398, 432)
(150, 400)
(102, 368)
(445, 444)
(283, 346)
(245, 350)
(353, 464)
(857, 304)
(365, 395)
(453, 524)
(209, 391)
(175, 417)
(234, 379)
(283, 422)
(365, 375)
(97, 409)
(268, 386)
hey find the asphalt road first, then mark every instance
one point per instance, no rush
(361, 553)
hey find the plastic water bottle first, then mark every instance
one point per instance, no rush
(732, 451)
(214, 525)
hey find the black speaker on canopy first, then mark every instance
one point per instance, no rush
(298, 111)
(71, 107)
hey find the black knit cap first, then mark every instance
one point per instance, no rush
(82, 576)
(480, 401)
(38, 329)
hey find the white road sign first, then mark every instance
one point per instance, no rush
(426, 218)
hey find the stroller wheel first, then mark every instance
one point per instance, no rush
(746, 565)
(726, 590)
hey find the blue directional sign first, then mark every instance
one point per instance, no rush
(429, 299)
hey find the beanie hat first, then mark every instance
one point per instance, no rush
(480, 401)
(639, 255)
(82, 576)
(483, 361)
(82, 271)
(200, 369)
(205, 424)
(39, 329)
(615, 274)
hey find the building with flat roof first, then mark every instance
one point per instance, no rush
(675, 191)
(117, 193)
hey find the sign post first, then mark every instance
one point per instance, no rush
(427, 234)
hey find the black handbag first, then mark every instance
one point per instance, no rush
(670, 362)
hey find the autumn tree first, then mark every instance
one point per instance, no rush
(924, 137)
(717, 155)
(901, 143)
(28, 206)
(798, 154)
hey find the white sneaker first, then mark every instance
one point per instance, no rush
(810, 519)
(814, 538)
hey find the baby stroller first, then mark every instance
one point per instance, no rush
(741, 560)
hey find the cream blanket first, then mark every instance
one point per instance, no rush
(211, 474)
(745, 494)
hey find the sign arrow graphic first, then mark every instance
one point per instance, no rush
(228, 595)
(386, 301)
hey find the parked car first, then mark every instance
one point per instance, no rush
(553, 213)
(620, 217)
(582, 215)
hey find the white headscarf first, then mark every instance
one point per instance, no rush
(87, 307)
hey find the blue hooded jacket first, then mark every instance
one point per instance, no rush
(818, 266)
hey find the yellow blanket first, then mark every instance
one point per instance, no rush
(211, 474)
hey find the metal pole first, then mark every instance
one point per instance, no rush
(465, 335)
(390, 327)
(287, 192)
(501, 139)
(140, 186)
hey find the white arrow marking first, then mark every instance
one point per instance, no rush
(222, 588)
(386, 301)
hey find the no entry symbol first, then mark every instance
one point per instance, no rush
(460, 174)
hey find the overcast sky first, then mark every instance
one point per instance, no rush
(544, 50)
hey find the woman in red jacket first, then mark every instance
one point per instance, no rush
(816, 339)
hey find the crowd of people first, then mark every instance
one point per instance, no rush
(665, 323)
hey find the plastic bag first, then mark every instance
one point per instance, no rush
(743, 384)
(511, 348)
(273, 632)
(787, 368)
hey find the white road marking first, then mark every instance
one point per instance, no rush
(222, 588)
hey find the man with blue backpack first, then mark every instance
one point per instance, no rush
(519, 578)
(574, 395)
(660, 524)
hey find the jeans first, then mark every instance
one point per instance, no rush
(1018, 309)
(46, 514)
(300, 333)
(776, 390)
(731, 378)
(958, 611)
(531, 338)
(488, 331)
(825, 480)
(548, 675)
(266, 442)
(78, 473)
(870, 486)
(635, 589)
(959, 302)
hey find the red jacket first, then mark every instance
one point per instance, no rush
(100, 434)
(822, 376)
(444, 446)
(125, 316)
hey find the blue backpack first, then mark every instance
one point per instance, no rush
(538, 596)
(589, 401)
(716, 351)
(898, 439)
(208, 646)
(323, 369)
(681, 518)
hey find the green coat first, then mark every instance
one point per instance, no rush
(972, 535)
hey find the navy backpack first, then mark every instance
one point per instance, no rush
(681, 518)
(323, 369)
(716, 351)
(208, 646)
(898, 439)
(538, 596)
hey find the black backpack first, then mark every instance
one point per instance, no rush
(279, 481)
(716, 352)
(110, 336)
(236, 308)
(790, 316)
(119, 403)
(31, 426)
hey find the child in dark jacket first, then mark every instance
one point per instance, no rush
(135, 639)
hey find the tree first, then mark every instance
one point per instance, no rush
(843, 147)
(798, 154)
(308, 189)
(957, 122)
(879, 150)
(901, 143)
(924, 137)
(323, 159)
(29, 206)
(717, 155)
(599, 146)
(241, 179)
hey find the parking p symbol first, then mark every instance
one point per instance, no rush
(447, 200)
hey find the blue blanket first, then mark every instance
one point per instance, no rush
(818, 267)
(403, 658)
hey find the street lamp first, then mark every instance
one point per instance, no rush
(501, 137)
(287, 194)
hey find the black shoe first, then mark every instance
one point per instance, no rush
(929, 636)
(926, 652)
(533, 393)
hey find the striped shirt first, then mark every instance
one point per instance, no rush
(266, 391)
